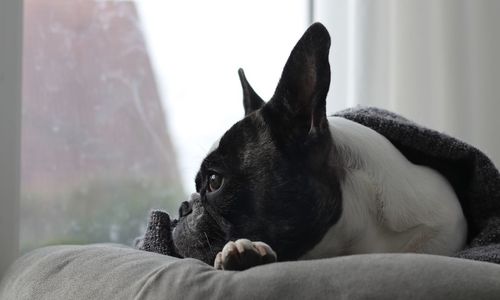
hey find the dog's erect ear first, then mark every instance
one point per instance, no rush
(251, 101)
(300, 98)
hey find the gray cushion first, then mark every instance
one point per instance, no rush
(119, 272)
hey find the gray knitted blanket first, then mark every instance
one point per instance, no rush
(474, 177)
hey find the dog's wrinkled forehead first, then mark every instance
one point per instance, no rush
(245, 141)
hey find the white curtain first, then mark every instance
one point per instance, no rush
(436, 62)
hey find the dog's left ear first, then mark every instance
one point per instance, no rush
(251, 101)
(299, 101)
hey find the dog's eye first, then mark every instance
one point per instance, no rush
(215, 182)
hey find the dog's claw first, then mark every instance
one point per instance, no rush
(244, 254)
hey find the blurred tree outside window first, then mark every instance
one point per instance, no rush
(96, 151)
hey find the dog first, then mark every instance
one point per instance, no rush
(289, 183)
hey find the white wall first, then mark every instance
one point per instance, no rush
(10, 120)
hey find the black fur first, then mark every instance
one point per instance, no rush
(280, 181)
(251, 101)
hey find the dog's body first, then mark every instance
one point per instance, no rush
(389, 204)
(312, 186)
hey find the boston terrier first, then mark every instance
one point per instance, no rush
(288, 183)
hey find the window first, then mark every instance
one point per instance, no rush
(96, 152)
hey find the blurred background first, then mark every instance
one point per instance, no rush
(121, 100)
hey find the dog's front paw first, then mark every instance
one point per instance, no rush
(244, 254)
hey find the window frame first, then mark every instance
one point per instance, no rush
(11, 18)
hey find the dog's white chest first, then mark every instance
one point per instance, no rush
(388, 203)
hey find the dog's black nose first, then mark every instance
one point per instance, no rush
(185, 209)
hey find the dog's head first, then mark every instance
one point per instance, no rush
(271, 177)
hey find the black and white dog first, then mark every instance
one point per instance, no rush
(310, 186)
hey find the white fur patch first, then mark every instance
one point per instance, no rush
(214, 147)
(389, 204)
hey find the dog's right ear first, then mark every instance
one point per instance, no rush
(298, 106)
(251, 101)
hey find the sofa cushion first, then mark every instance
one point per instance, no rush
(105, 271)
